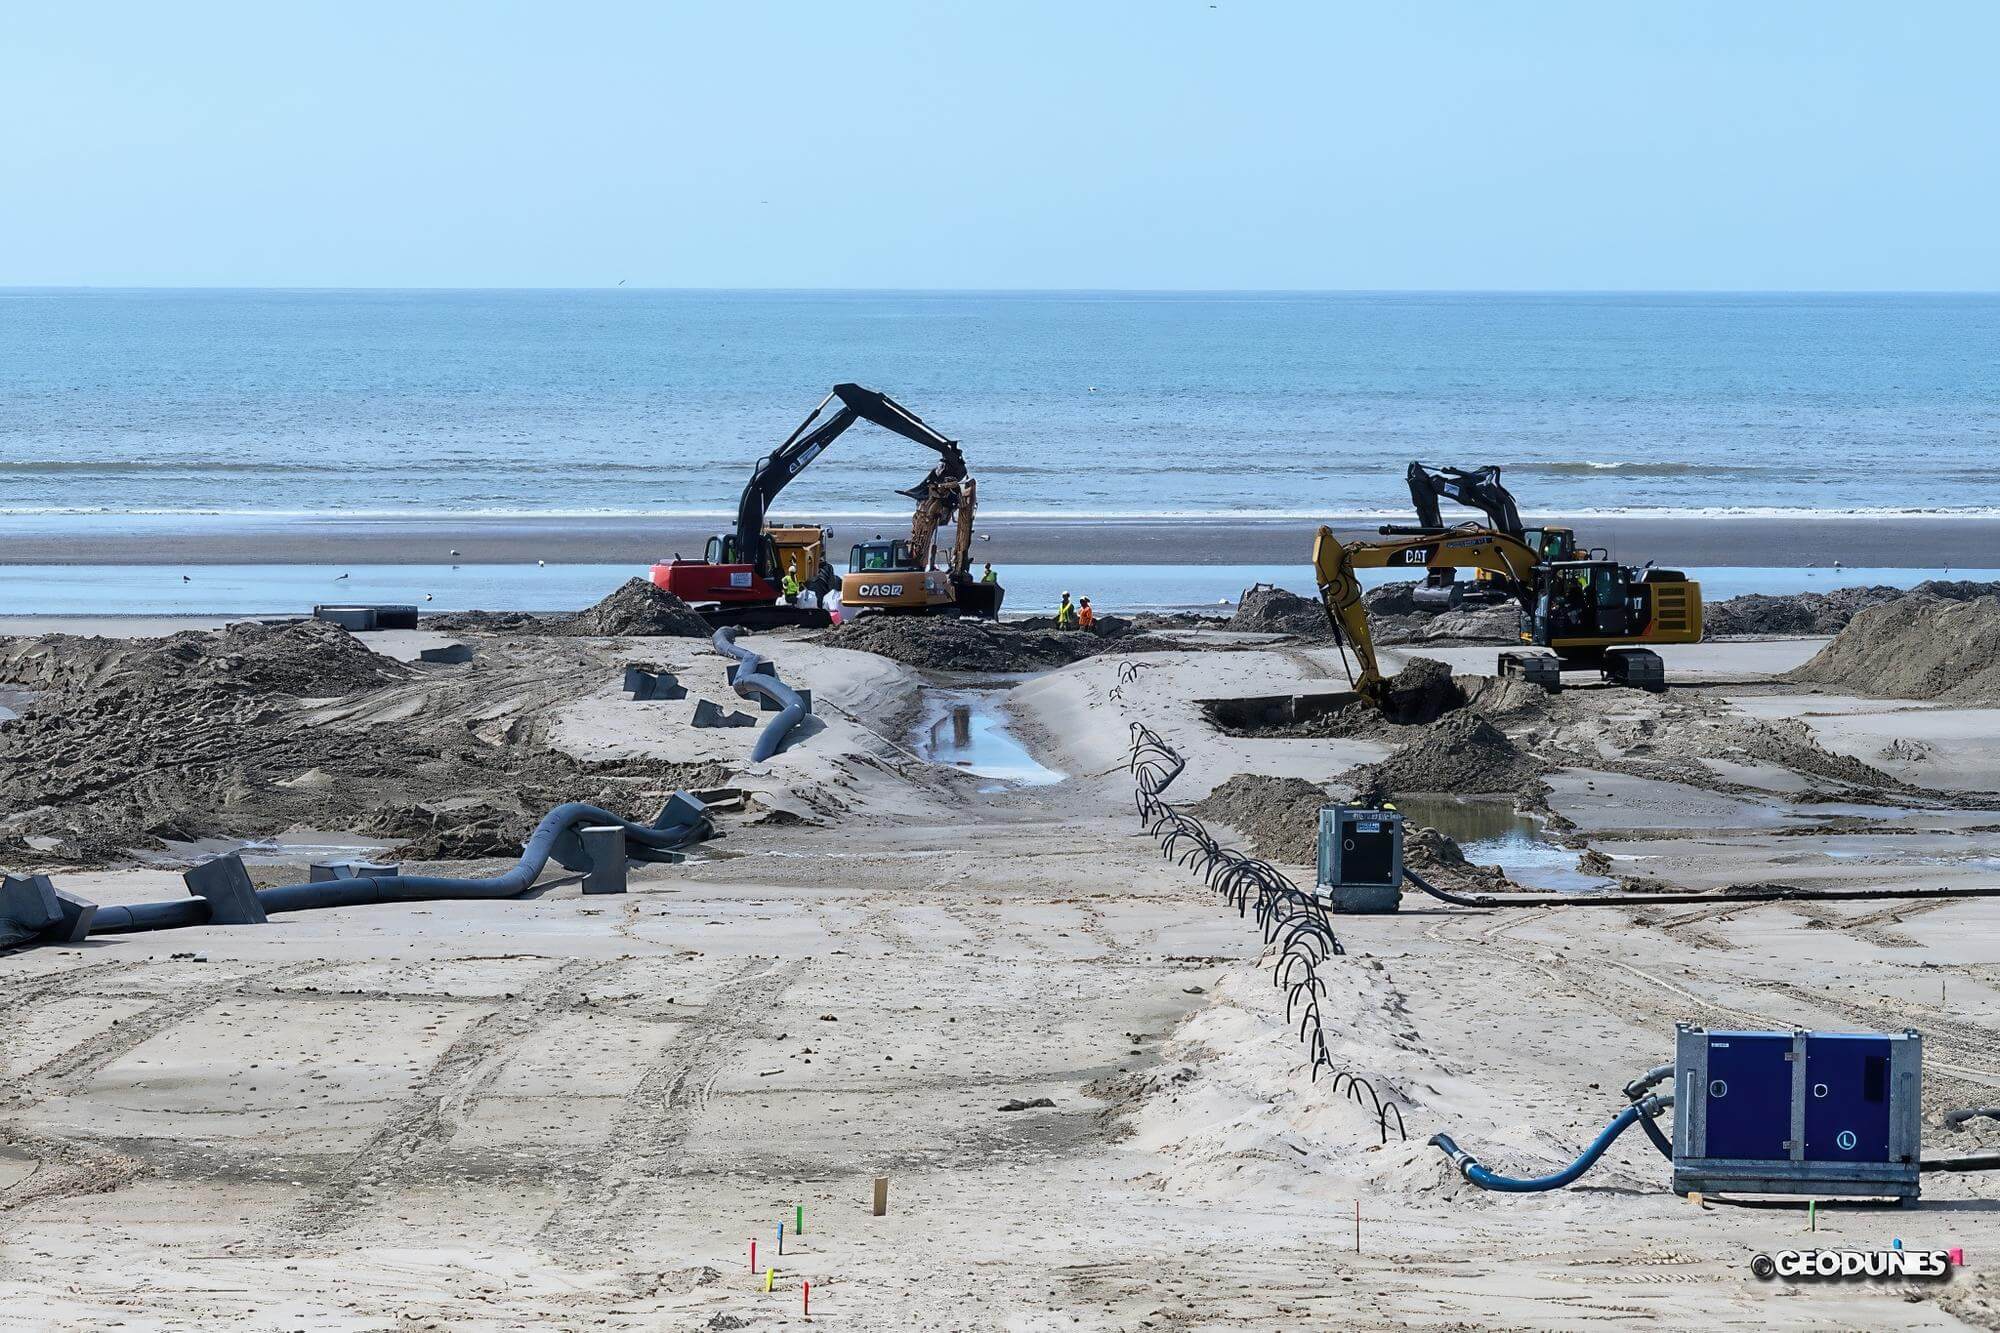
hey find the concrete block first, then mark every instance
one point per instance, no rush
(29, 903)
(357, 618)
(761, 667)
(604, 845)
(77, 914)
(395, 617)
(451, 654)
(232, 898)
(321, 871)
(708, 714)
(683, 807)
(642, 684)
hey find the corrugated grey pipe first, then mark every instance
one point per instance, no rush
(754, 676)
(542, 844)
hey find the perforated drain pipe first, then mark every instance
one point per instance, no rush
(754, 675)
(1777, 893)
(678, 826)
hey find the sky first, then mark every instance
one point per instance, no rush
(1132, 144)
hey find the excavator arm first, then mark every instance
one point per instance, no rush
(1336, 565)
(1475, 488)
(776, 469)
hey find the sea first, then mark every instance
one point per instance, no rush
(629, 402)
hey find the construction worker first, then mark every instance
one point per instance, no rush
(791, 585)
(1065, 614)
(989, 576)
(1085, 617)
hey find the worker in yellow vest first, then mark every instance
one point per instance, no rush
(1065, 614)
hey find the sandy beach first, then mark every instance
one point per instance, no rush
(577, 1111)
(1929, 542)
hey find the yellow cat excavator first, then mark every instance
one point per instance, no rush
(1590, 615)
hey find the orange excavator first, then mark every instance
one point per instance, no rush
(739, 579)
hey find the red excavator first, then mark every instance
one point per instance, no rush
(738, 580)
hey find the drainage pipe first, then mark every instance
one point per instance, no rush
(754, 676)
(1775, 893)
(541, 846)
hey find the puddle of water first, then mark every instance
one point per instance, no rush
(1494, 833)
(12, 701)
(963, 730)
(303, 846)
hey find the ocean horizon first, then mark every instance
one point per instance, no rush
(226, 403)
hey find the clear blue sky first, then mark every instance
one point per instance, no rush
(847, 143)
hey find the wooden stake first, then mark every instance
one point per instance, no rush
(881, 1195)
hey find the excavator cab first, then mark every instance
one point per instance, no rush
(864, 557)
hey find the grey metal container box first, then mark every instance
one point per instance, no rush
(1361, 858)
(1821, 1113)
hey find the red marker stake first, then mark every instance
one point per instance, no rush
(753, 1255)
(806, 1300)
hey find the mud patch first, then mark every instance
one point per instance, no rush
(1278, 817)
(945, 643)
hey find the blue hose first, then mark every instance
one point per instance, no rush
(1469, 1167)
(754, 676)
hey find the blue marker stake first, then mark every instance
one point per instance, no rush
(1896, 1244)
(781, 1238)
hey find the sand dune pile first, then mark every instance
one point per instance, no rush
(1917, 647)
(1267, 609)
(1814, 613)
(945, 643)
(1460, 754)
(640, 609)
(249, 731)
(1278, 817)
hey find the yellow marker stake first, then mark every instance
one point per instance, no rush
(769, 1273)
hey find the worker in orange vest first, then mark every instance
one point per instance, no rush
(1085, 617)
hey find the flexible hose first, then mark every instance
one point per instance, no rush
(753, 677)
(1772, 894)
(541, 845)
(1977, 1162)
(1469, 1166)
(1956, 1119)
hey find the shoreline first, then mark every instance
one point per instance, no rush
(1889, 541)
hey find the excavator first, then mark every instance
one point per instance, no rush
(1589, 615)
(1475, 488)
(900, 576)
(737, 582)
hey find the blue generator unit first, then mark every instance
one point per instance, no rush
(1821, 1113)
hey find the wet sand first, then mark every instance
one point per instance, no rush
(1890, 541)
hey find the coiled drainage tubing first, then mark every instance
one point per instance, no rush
(755, 676)
(547, 841)
(1470, 1167)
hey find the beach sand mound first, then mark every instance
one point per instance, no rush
(1815, 613)
(255, 729)
(1278, 817)
(639, 609)
(299, 659)
(945, 643)
(1265, 608)
(1422, 692)
(1917, 647)
(1461, 754)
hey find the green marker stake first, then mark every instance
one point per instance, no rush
(798, 1219)
(1812, 1215)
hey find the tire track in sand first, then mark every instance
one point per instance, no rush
(597, 1208)
(433, 1112)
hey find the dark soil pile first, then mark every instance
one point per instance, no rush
(230, 733)
(1438, 858)
(1104, 627)
(1917, 647)
(1814, 613)
(1461, 753)
(1423, 691)
(640, 609)
(945, 643)
(1267, 609)
(1277, 817)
